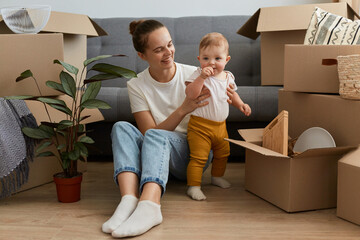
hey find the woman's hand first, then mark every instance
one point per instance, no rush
(230, 93)
(190, 105)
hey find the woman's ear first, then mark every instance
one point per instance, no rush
(141, 55)
(198, 57)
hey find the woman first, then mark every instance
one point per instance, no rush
(144, 156)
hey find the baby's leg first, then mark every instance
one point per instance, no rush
(221, 153)
(220, 182)
(195, 193)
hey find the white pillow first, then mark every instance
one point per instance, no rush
(329, 29)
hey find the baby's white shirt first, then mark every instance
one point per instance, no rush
(218, 107)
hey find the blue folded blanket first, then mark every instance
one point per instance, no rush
(15, 148)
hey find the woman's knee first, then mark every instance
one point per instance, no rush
(120, 127)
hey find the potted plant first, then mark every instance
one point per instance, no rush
(66, 139)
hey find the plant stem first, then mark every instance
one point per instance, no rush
(37, 85)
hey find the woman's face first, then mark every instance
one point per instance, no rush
(160, 50)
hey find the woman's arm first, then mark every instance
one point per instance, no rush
(145, 120)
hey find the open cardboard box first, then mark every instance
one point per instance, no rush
(348, 199)
(284, 25)
(304, 71)
(307, 181)
(37, 53)
(42, 169)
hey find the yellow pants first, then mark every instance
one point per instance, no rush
(204, 135)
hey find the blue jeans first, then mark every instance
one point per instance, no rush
(150, 157)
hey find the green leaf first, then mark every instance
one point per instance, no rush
(86, 139)
(81, 128)
(62, 109)
(83, 149)
(20, 98)
(70, 68)
(51, 101)
(100, 77)
(56, 86)
(47, 129)
(66, 122)
(36, 133)
(24, 75)
(84, 117)
(61, 146)
(95, 103)
(91, 91)
(45, 154)
(114, 70)
(88, 61)
(43, 146)
(74, 154)
(65, 160)
(68, 83)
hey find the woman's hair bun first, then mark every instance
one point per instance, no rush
(133, 25)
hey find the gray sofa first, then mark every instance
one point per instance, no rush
(186, 33)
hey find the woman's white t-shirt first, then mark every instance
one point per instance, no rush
(161, 99)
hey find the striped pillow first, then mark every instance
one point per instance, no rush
(329, 29)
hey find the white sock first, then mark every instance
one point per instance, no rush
(125, 208)
(195, 193)
(220, 182)
(146, 215)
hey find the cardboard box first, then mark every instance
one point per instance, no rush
(303, 69)
(355, 4)
(304, 182)
(340, 117)
(29, 51)
(42, 169)
(348, 206)
(283, 25)
(75, 27)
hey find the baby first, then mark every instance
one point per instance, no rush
(207, 127)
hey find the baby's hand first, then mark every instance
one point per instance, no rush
(245, 108)
(207, 72)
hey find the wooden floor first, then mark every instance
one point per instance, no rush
(227, 213)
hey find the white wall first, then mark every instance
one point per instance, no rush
(158, 8)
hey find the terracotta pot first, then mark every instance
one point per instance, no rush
(68, 189)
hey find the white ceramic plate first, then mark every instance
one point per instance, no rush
(314, 137)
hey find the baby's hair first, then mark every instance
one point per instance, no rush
(214, 39)
(140, 31)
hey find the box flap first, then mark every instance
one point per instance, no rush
(317, 152)
(287, 18)
(39, 112)
(72, 24)
(249, 28)
(256, 148)
(352, 158)
(295, 17)
(69, 23)
(252, 135)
